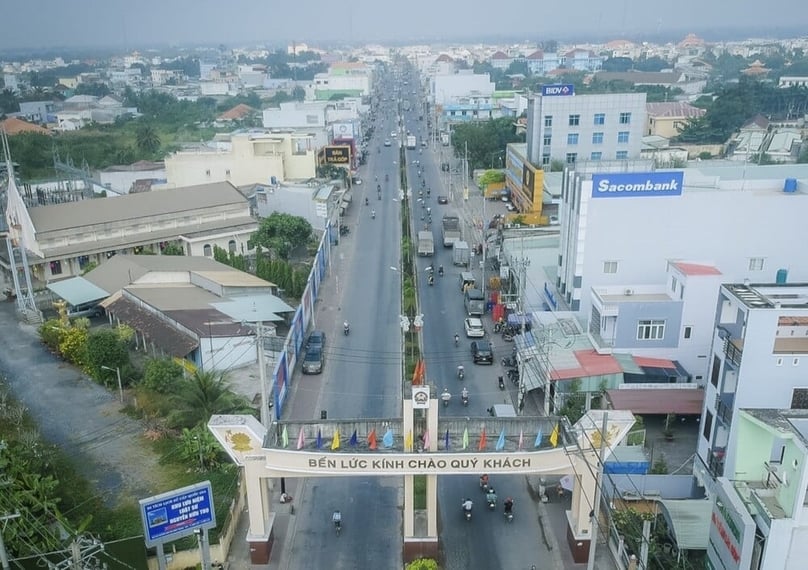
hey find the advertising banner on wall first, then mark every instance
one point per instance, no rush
(343, 130)
(340, 155)
(560, 90)
(177, 513)
(637, 184)
(732, 530)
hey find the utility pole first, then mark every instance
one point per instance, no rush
(262, 373)
(3, 553)
(595, 515)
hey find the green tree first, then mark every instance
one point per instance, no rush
(281, 233)
(162, 375)
(422, 564)
(803, 158)
(574, 402)
(73, 346)
(172, 249)
(105, 348)
(9, 103)
(483, 140)
(298, 93)
(202, 395)
(147, 138)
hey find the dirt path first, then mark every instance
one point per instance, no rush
(76, 414)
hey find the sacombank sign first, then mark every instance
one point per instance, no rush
(629, 185)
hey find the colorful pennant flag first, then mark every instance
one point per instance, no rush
(372, 439)
(319, 439)
(354, 441)
(408, 441)
(483, 440)
(537, 443)
(387, 440)
(521, 440)
(285, 437)
(501, 441)
(554, 436)
(465, 438)
(335, 441)
(426, 440)
(301, 440)
(446, 441)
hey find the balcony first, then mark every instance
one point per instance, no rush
(733, 351)
(715, 461)
(723, 408)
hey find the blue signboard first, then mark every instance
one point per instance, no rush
(177, 513)
(630, 184)
(557, 90)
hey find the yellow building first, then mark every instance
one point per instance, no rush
(524, 181)
(668, 119)
(244, 159)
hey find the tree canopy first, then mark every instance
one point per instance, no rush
(281, 233)
(485, 140)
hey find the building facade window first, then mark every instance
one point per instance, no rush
(799, 399)
(651, 329)
(610, 267)
(575, 120)
(227, 173)
(708, 425)
(756, 263)
(572, 157)
(231, 246)
(596, 156)
(688, 332)
(545, 160)
(572, 138)
(56, 267)
(207, 251)
(625, 118)
(548, 121)
(621, 155)
(207, 172)
(716, 371)
(600, 118)
(547, 140)
(622, 137)
(597, 138)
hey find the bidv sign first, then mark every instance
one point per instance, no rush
(556, 90)
(627, 185)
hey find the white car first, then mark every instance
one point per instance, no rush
(474, 327)
(394, 134)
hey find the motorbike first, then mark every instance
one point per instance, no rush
(465, 400)
(445, 397)
(440, 271)
(387, 178)
(373, 214)
(457, 340)
(431, 280)
(346, 329)
(461, 372)
(509, 515)
(513, 375)
(367, 202)
(509, 362)
(344, 230)
(336, 518)
(492, 503)
(466, 511)
(501, 383)
(484, 486)
(507, 336)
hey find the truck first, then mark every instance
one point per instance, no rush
(460, 253)
(444, 139)
(426, 243)
(412, 142)
(451, 230)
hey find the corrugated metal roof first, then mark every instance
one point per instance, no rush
(132, 206)
(121, 270)
(77, 291)
(662, 400)
(689, 521)
(153, 327)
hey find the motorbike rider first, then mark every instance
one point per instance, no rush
(445, 396)
(440, 270)
(431, 279)
(484, 481)
(367, 203)
(346, 327)
(508, 506)
(461, 372)
(491, 496)
(457, 339)
(373, 214)
(467, 505)
(464, 394)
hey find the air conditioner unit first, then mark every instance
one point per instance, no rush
(628, 292)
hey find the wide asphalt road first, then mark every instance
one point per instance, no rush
(487, 541)
(361, 378)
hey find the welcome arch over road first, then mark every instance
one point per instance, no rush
(392, 447)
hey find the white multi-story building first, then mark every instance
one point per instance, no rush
(643, 265)
(247, 158)
(572, 128)
(448, 89)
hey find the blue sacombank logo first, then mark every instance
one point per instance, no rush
(628, 185)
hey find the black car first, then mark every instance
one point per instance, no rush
(313, 362)
(481, 352)
(316, 340)
(443, 200)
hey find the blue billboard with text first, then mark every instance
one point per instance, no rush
(557, 90)
(632, 184)
(177, 513)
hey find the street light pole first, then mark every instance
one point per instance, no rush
(117, 371)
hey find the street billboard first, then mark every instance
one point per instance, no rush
(559, 90)
(177, 513)
(343, 130)
(632, 184)
(338, 154)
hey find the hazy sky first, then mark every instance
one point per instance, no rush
(126, 24)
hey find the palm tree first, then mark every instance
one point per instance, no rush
(203, 395)
(147, 139)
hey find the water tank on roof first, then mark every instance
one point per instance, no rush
(790, 185)
(782, 276)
